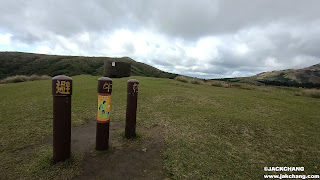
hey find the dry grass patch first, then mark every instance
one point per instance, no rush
(196, 81)
(182, 79)
(220, 84)
(23, 78)
(191, 80)
(314, 93)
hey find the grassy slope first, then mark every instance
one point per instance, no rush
(306, 75)
(211, 132)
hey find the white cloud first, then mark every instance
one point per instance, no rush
(211, 56)
(242, 49)
(206, 39)
(273, 63)
(5, 39)
(43, 50)
(5, 42)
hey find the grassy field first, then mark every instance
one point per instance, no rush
(211, 132)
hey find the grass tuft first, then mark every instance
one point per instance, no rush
(182, 79)
(23, 78)
(196, 81)
(191, 80)
(43, 166)
(220, 84)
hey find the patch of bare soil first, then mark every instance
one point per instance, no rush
(139, 158)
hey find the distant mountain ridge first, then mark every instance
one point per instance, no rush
(20, 63)
(306, 77)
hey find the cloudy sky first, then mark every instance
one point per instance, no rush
(203, 38)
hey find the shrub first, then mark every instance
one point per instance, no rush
(182, 79)
(207, 83)
(196, 81)
(23, 78)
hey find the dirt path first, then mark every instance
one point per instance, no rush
(134, 159)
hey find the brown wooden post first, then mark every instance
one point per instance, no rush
(131, 114)
(103, 113)
(61, 91)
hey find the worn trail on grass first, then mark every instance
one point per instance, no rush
(126, 159)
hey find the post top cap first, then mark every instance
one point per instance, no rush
(133, 81)
(104, 79)
(62, 77)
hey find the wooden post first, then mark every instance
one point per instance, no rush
(103, 113)
(131, 113)
(61, 91)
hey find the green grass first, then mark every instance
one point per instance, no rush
(211, 132)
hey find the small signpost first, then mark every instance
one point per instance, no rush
(61, 92)
(103, 113)
(131, 113)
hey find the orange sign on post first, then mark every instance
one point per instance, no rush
(104, 107)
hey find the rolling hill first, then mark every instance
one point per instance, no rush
(19, 63)
(306, 77)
